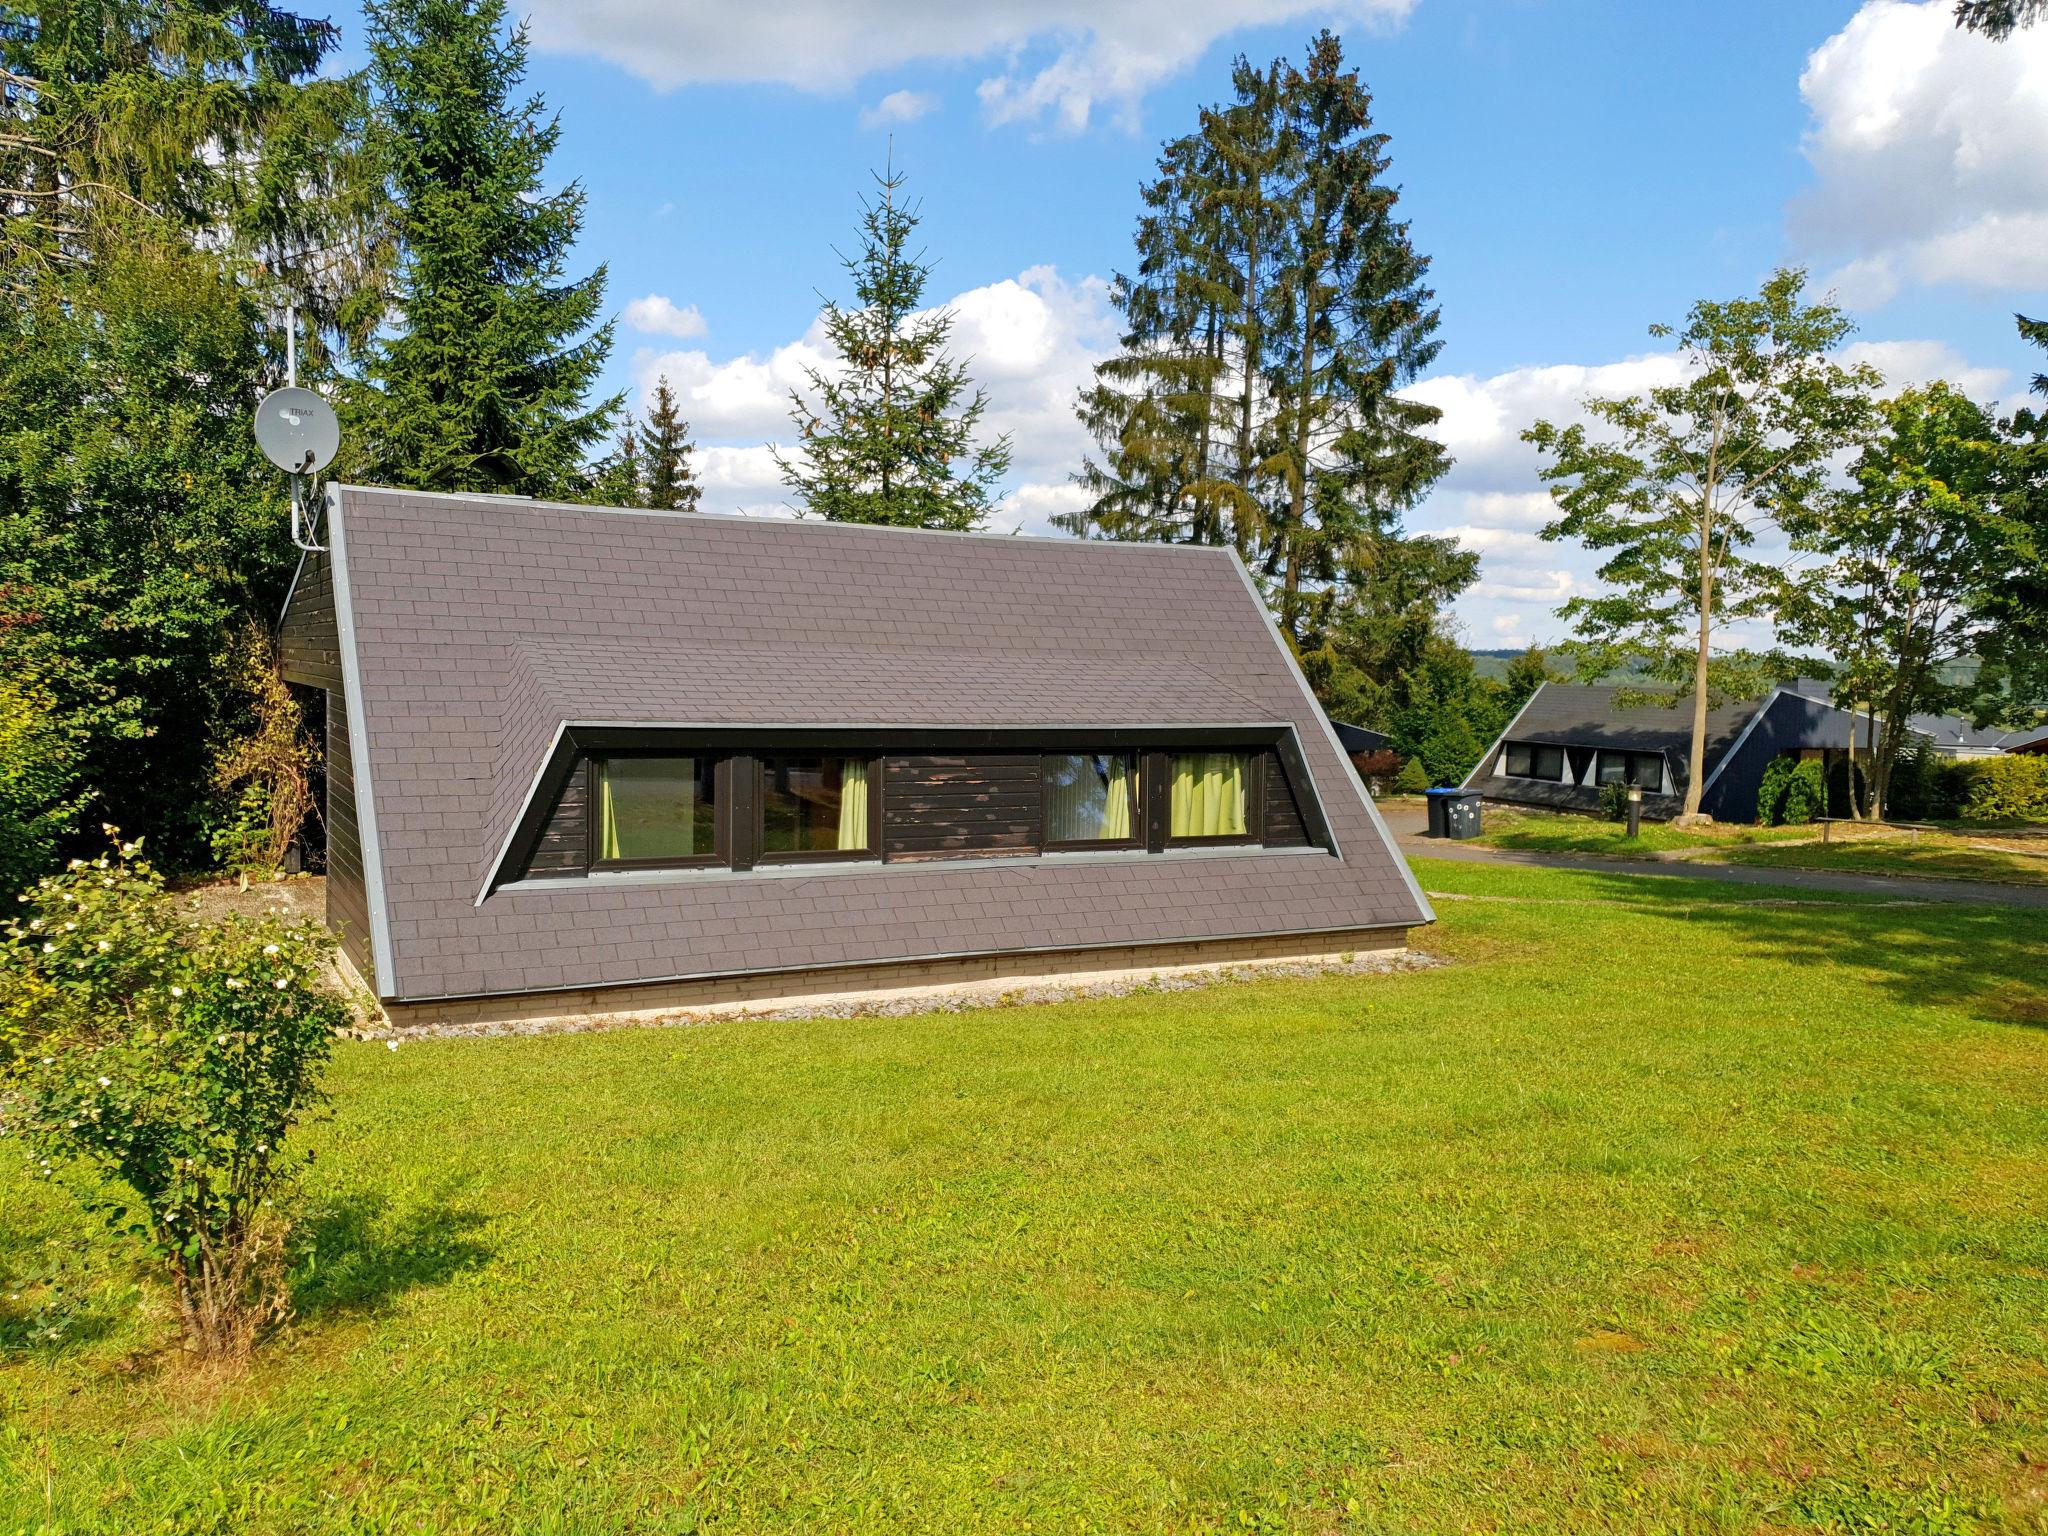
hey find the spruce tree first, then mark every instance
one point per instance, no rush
(671, 483)
(1352, 324)
(618, 479)
(482, 384)
(892, 438)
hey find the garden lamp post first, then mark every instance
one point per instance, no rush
(1635, 809)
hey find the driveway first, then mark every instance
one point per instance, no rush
(1406, 821)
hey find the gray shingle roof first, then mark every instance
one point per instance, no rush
(1592, 715)
(477, 626)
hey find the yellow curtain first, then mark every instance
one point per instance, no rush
(1116, 804)
(853, 804)
(607, 817)
(1208, 795)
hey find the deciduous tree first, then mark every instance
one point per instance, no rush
(1676, 488)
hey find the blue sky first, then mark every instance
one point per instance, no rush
(1575, 169)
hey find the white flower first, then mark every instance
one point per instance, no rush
(106, 1082)
(280, 983)
(270, 949)
(34, 923)
(390, 1045)
(234, 981)
(177, 991)
(71, 927)
(220, 1039)
(105, 946)
(49, 948)
(76, 864)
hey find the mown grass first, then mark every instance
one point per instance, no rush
(1565, 832)
(1959, 856)
(1657, 1209)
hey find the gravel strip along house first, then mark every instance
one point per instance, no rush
(589, 761)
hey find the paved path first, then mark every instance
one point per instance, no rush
(1406, 822)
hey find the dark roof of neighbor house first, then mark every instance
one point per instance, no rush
(1593, 715)
(474, 629)
(1951, 731)
(1357, 738)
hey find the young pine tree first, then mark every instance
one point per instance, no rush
(671, 483)
(482, 386)
(619, 479)
(892, 436)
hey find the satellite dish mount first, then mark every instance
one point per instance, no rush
(297, 432)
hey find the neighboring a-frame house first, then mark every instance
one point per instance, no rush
(582, 759)
(1571, 740)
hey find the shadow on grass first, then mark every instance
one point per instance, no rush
(1988, 961)
(353, 1254)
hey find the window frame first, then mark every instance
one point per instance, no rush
(716, 770)
(876, 760)
(1047, 843)
(1254, 834)
(1564, 766)
(1629, 760)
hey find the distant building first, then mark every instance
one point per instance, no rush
(1572, 740)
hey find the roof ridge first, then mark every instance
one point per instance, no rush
(540, 504)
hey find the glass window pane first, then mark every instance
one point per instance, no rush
(815, 804)
(1208, 794)
(1091, 798)
(1521, 761)
(1614, 768)
(655, 808)
(1550, 763)
(1648, 771)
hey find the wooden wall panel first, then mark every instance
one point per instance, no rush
(348, 903)
(564, 846)
(1284, 827)
(309, 641)
(955, 806)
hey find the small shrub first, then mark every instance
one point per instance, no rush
(1791, 794)
(2011, 788)
(268, 773)
(1378, 768)
(1614, 801)
(1413, 779)
(173, 1058)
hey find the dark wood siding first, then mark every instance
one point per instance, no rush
(960, 806)
(564, 845)
(308, 641)
(1284, 827)
(348, 904)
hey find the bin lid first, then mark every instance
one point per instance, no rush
(1473, 793)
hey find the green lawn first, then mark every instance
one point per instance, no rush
(1964, 856)
(1661, 1208)
(1564, 832)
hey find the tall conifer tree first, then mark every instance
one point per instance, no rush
(671, 483)
(892, 438)
(1277, 310)
(482, 383)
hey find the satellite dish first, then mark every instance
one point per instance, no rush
(297, 431)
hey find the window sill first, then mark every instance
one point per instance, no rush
(614, 878)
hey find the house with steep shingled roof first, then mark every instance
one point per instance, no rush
(587, 760)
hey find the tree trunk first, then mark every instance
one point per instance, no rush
(1297, 510)
(1696, 754)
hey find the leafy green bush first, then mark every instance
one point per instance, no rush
(2011, 788)
(173, 1057)
(1791, 794)
(1614, 801)
(1413, 778)
(37, 796)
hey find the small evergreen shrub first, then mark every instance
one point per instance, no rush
(1614, 801)
(1770, 793)
(2011, 788)
(1413, 779)
(174, 1058)
(1791, 794)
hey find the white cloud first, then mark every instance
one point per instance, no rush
(898, 107)
(1925, 141)
(1062, 58)
(1492, 500)
(657, 315)
(1031, 341)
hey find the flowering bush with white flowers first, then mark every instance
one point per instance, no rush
(171, 1057)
